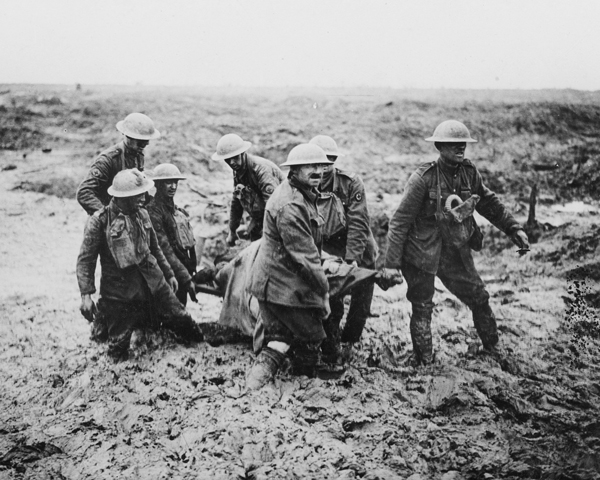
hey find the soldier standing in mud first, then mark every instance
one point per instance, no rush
(254, 180)
(346, 234)
(173, 229)
(137, 129)
(423, 244)
(137, 284)
(288, 279)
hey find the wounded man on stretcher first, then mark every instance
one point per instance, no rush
(240, 318)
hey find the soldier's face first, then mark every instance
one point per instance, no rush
(310, 175)
(452, 152)
(167, 187)
(135, 144)
(235, 162)
(131, 205)
(329, 167)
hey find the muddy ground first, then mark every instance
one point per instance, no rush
(182, 412)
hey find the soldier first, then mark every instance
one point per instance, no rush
(423, 243)
(137, 284)
(287, 278)
(346, 234)
(138, 130)
(173, 229)
(254, 180)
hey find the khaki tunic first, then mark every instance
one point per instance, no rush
(288, 267)
(414, 236)
(356, 242)
(131, 283)
(92, 193)
(252, 189)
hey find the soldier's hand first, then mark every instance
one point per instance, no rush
(519, 238)
(88, 308)
(331, 267)
(191, 289)
(173, 284)
(388, 277)
(231, 238)
(205, 274)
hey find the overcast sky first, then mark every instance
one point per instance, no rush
(420, 43)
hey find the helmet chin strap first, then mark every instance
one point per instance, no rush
(244, 163)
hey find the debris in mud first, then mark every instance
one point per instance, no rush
(582, 317)
(59, 187)
(17, 456)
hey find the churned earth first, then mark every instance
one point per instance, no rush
(181, 411)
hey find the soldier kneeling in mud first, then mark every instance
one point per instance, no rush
(137, 285)
(288, 278)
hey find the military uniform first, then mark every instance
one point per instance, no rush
(92, 192)
(253, 186)
(176, 239)
(133, 289)
(353, 242)
(288, 279)
(416, 246)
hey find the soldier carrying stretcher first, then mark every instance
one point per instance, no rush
(346, 234)
(254, 180)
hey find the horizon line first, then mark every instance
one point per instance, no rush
(300, 87)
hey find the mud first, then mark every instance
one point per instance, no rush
(182, 412)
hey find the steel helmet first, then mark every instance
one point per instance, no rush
(138, 126)
(129, 183)
(451, 131)
(306, 154)
(328, 144)
(230, 145)
(166, 171)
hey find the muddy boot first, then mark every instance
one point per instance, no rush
(485, 324)
(329, 371)
(414, 361)
(360, 309)
(306, 359)
(118, 346)
(216, 334)
(182, 325)
(330, 347)
(264, 369)
(347, 351)
(420, 332)
(99, 330)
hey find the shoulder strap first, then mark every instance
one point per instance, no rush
(107, 228)
(439, 190)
